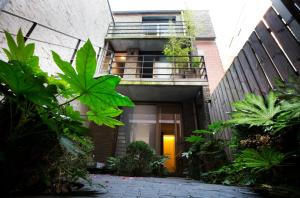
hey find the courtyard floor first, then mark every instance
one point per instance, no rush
(150, 187)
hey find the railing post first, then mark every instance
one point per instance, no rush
(111, 62)
(142, 69)
(75, 50)
(174, 69)
(30, 31)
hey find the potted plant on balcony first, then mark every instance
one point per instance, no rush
(178, 48)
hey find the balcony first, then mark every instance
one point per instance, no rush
(157, 69)
(145, 29)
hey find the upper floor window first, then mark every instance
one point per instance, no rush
(157, 25)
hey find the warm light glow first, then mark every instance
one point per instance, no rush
(122, 57)
(169, 151)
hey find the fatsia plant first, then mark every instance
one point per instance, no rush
(201, 134)
(43, 142)
(289, 94)
(99, 94)
(259, 160)
(255, 111)
(22, 73)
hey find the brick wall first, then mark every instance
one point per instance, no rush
(213, 62)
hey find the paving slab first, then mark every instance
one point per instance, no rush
(170, 187)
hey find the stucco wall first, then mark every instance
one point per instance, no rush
(213, 63)
(79, 18)
(3, 3)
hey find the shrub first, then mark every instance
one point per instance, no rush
(267, 132)
(140, 160)
(206, 152)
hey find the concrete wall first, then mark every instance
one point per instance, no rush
(204, 27)
(130, 17)
(3, 3)
(79, 18)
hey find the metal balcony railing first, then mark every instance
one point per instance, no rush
(156, 67)
(146, 29)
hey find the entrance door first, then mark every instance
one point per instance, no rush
(169, 151)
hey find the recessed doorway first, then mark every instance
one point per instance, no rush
(169, 151)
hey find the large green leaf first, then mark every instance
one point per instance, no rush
(23, 53)
(105, 117)
(99, 94)
(253, 110)
(22, 82)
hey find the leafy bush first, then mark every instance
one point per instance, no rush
(44, 146)
(249, 166)
(258, 161)
(206, 152)
(177, 50)
(267, 135)
(140, 160)
(196, 61)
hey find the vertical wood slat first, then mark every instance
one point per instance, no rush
(288, 17)
(221, 108)
(251, 81)
(228, 91)
(236, 81)
(274, 51)
(268, 54)
(264, 60)
(286, 39)
(257, 70)
(241, 75)
(225, 101)
(232, 86)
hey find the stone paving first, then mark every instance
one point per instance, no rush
(150, 187)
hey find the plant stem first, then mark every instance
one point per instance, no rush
(67, 102)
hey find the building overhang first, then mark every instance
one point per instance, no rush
(159, 93)
(147, 12)
(143, 44)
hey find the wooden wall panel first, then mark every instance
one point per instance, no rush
(271, 53)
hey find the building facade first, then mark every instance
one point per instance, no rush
(170, 93)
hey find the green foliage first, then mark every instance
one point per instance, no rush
(206, 152)
(280, 110)
(267, 132)
(140, 160)
(189, 23)
(177, 50)
(196, 62)
(157, 165)
(253, 110)
(289, 93)
(98, 94)
(22, 53)
(258, 160)
(43, 144)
